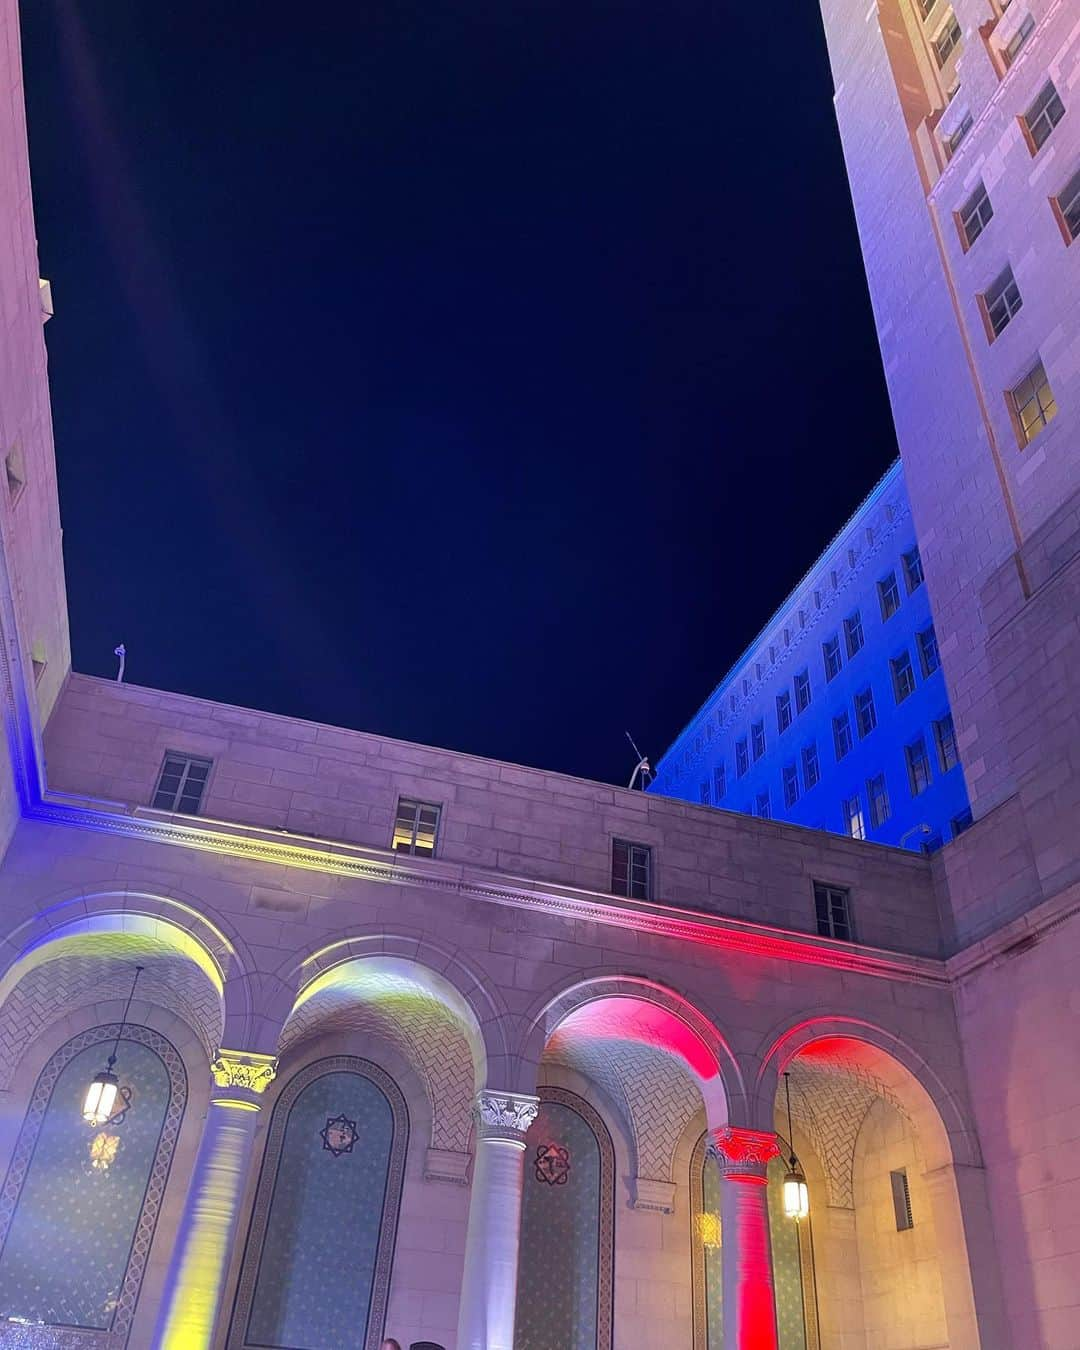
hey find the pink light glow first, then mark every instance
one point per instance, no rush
(641, 1023)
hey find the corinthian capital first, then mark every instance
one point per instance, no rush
(505, 1115)
(243, 1069)
(743, 1153)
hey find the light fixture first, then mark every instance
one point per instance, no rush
(102, 1093)
(796, 1194)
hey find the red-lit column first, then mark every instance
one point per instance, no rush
(745, 1250)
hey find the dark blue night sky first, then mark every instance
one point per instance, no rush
(476, 373)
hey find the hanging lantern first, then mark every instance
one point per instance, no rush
(796, 1195)
(101, 1097)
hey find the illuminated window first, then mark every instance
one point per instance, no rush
(1068, 205)
(830, 650)
(1001, 303)
(865, 714)
(719, 782)
(742, 757)
(757, 739)
(901, 1198)
(833, 907)
(945, 736)
(953, 142)
(802, 690)
(903, 677)
(1012, 48)
(415, 827)
(783, 711)
(975, 214)
(928, 650)
(877, 795)
(947, 39)
(631, 869)
(1043, 116)
(1033, 404)
(791, 784)
(889, 595)
(913, 573)
(811, 770)
(841, 730)
(854, 824)
(181, 783)
(918, 765)
(853, 633)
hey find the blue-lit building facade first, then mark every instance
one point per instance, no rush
(836, 716)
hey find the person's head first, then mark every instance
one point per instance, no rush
(391, 1344)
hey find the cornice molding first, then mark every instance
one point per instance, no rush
(713, 930)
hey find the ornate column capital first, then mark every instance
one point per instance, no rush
(241, 1077)
(743, 1155)
(505, 1115)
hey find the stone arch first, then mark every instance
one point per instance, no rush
(657, 1059)
(89, 958)
(887, 1065)
(383, 987)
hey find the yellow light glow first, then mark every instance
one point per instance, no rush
(100, 1098)
(709, 1229)
(103, 1149)
(796, 1196)
(235, 1104)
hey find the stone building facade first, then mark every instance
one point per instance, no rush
(409, 1042)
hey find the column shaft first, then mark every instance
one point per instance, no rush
(746, 1248)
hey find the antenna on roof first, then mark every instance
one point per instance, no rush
(642, 767)
(121, 652)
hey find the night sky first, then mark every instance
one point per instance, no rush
(481, 373)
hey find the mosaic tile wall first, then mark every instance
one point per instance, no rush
(317, 1269)
(67, 1247)
(559, 1275)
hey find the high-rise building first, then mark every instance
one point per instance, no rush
(836, 715)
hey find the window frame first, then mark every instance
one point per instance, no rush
(759, 745)
(742, 757)
(842, 722)
(972, 211)
(903, 676)
(1045, 111)
(831, 669)
(763, 799)
(1025, 434)
(805, 688)
(854, 633)
(850, 816)
(945, 736)
(189, 762)
(877, 789)
(888, 596)
(720, 782)
(825, 895)
(947, 39)
(1000, 303)
(790, 781)
(412, 851)
(912, 761)
(911, 562)
(868, 692)
(1067, 209)
(631, 847)
(784, 714)
(926, 639)
(809, 757)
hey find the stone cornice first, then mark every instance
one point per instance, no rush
(1016, 937)
(714, 930)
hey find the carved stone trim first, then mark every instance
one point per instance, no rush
(447, 1165)
(743, 1153)
(655, 1197)
(243, 1069)
(505, 1115)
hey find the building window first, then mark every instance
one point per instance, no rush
(946, 41)
(757, 739)
(945, 736)
(704, 792)
(925, 7)
(181, 783)
(761, 807)
(811, 770)
(854, 824)
(833, 907)
(791, 784)
(1012, 47)
(928, 650)
(953, 142)
(830, 650)
(783, 711)
(932, 844)
(802, 691)
(1067, 203)
(901, 1199)
(918, 765)
(961, 823)
(878, 796)
(631, 869)
(720, 782)
(853, 633)
(865, 715)
(974, 216)
(742, 757)
(1000, 303)
(889, 595)
(841, 730)
(1043, 116)
(415, 826)
(913, 573)
(903, 677)
(1033, 404)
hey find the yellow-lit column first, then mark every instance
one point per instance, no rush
(192, 1297)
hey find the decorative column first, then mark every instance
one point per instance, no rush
(204, 1242)
(745, 1249)
(489, 1287)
